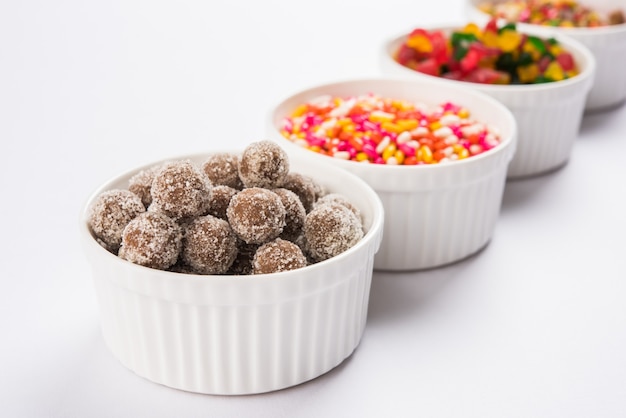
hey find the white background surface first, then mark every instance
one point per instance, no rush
(533, 326)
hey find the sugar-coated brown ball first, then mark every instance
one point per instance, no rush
(209, 245)
(110, 213)
(181, 190)
(153, 240)
(263, 164)
(141, 184)
(294, 214)
(220, 199)
(277, 256)
(223, 169)
(256, 215)
(340, 199)
(304, 187)
(331, 229)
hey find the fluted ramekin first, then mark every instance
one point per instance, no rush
(238, 334)
(548, 115)
(434, 214)
(606, 43)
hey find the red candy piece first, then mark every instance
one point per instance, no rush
(429, 66)
(566, 61)
(487, 76)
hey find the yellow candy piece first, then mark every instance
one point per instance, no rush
(344, 122)
(401, 105)
(389, 151)
(348, 128)
(407, 124)
(426, 154)
(529, 48)
(435, 125)
(555, 50)
(528, 73)
(399, 156)
(554, 71)
(463, 154)
(299, 111)
(463, 113)
(380, 116)
(391, 127)
(361, 156)
(420, 43)
(315, 148)
(473, 29)
(509, 40)
(458, 148)
(490, 39)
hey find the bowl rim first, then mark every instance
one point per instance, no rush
(588, 70)
(509, 141)
(373, 232)
(576, 30)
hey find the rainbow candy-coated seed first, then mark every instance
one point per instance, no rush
(372, 129)
(564, 13)
(491, 55)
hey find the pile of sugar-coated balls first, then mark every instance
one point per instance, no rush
(234, 214)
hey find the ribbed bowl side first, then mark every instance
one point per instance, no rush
(238, 349)
(609, 88)
(548, 127)
(437, 227)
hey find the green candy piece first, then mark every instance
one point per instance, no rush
(542, 79)
(507, 63)
(537, 43)
(525, 59)
(508, 26)
(460, 53)
(462, 39)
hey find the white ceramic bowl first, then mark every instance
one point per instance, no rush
(607, 44)
(434, 214)
(548, 115)
(238, 334)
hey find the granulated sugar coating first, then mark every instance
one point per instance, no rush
(340, 199)
(304, 187)
(181, 190)
(223, 169)
(256, 215)
(110, 214)
(263, 164)
(278, 255)
(220, 199)
(141, 183)
(294, 214)
(153, 240)
(330, 230)
(209, 245)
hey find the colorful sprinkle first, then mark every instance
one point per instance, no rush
(372, 129)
